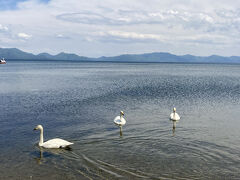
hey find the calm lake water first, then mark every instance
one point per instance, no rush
(78, 102)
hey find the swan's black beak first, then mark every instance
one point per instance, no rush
(35, 129)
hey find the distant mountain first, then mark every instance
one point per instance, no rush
(149, 57)
(72, 57)
(44, 56)
(167, 57)
(16, 54)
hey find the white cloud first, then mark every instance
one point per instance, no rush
(88, 25)
(24, 35)
(198, 20)
(60, 36)
(134, 35)
(3, 28)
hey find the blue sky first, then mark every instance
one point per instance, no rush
(111, 27)
(12, 4)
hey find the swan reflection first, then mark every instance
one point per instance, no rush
(174, 124)
(174, 127)
(120, 131)
(39, 159)
(44, 153)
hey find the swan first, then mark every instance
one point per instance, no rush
(53, 143)
(174, 116)
(119, 120)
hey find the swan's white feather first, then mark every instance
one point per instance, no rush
(174, 116)
(119, 121)
(56, 143)
(53, 143)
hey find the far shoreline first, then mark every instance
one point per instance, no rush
(120, 62)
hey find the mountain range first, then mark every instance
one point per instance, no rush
(16, 54)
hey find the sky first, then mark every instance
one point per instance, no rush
(97, 28)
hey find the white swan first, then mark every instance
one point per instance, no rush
(53, 143)
(119, 120)
(174, 116)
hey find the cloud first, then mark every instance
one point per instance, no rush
(119, 18)
(3, 28)
(132, 17)
(144, 24)
(134, 37)
(61, 36)
(197, 20)
(129, 36)
(24, 36)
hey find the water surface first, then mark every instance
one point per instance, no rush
(78, 102)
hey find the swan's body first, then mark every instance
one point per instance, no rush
(119, 120)
(174, 116)
(53, 143)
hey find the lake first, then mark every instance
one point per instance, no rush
(78, 102)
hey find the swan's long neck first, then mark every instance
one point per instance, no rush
(174, 112)
(41, 137)
(121, 116)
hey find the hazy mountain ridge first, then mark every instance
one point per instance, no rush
(16, 54)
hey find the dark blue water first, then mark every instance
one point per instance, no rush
(78, 102)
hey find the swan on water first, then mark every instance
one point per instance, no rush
(120, 121)
(53, 143)
(174, 115)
